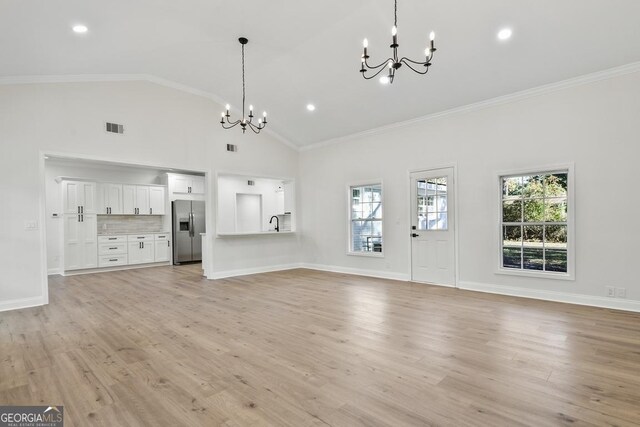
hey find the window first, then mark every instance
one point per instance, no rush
(365, 219)
(535, 222)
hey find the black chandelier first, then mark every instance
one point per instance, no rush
(394, 63)
(243, 122)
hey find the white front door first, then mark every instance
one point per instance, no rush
(433, 227)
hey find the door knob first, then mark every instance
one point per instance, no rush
(414, 235)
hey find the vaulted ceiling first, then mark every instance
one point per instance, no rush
(304, 52)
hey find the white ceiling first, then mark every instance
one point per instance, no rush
(309, 51)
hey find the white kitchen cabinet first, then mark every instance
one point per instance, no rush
(187, 184)
(140, 252)
(79, 197)
(129, 199)
(156, 200)
(110, 199)
(137, 200)
(162, 250)
(80, 241)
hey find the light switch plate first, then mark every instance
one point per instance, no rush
(31, 225)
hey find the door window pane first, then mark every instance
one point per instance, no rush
(432, 204)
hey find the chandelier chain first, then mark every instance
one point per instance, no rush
(243, 84)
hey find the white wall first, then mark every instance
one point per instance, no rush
(163, 127)
(594, 125)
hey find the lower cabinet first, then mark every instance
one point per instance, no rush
(140, 249)
(119, 250)
(80, 241)
(162, 246)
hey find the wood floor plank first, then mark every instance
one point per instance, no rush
(163, 346)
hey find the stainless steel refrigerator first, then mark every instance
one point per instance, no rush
(188, 223)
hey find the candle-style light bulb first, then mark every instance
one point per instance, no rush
(427, 52)
(394, 30)
(432, 36)
(365, 43)
(390, 64)
(250, 107)
(264, 114)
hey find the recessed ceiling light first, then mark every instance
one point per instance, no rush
(505, 34)
(311, 107)
(80, 29)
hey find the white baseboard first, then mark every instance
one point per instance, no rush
(254, 270)
(112, 269)
(22, 303)
(53, 271)
(594, 301)
(357, 271)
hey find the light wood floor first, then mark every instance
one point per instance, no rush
(162, 346)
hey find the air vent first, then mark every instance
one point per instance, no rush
(250, 182)
(115, 128)
(232, 147)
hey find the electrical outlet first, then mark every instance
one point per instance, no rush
(611, 291)
(621, 292)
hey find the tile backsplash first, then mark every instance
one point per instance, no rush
(126, 224)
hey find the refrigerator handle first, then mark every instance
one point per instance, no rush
(191, 230)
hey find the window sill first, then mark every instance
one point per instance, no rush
(367, 254)
(535, 274)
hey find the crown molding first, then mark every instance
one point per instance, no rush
(492, 102)
(96, 78)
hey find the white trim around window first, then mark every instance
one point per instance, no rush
(373, 253)
(567, 168)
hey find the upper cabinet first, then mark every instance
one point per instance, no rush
(186, 184)
(156, 201)
(143, 200)
(79, 197)
(110, 199)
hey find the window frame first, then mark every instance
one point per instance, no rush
(567, 168)
(349, 188)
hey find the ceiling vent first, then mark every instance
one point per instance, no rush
(251, 182)
(115, 128)
(231, 147)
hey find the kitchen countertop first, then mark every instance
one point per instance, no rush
(132, 234)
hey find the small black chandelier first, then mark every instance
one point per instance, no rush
(243, 122)
(394, 63)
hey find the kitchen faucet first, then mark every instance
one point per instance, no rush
(277, 222)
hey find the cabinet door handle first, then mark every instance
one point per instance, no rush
(78, 218)
(113, 249)
(78, 209)
(81, 209)
(142, 245)
(81, 218)
(150, 211)
(113, 259)
(113, 238)
(168, 244)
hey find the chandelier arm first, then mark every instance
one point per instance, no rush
(406, 60)
(386, 61)
(377, 72)
(419, 72)
(234, 124)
